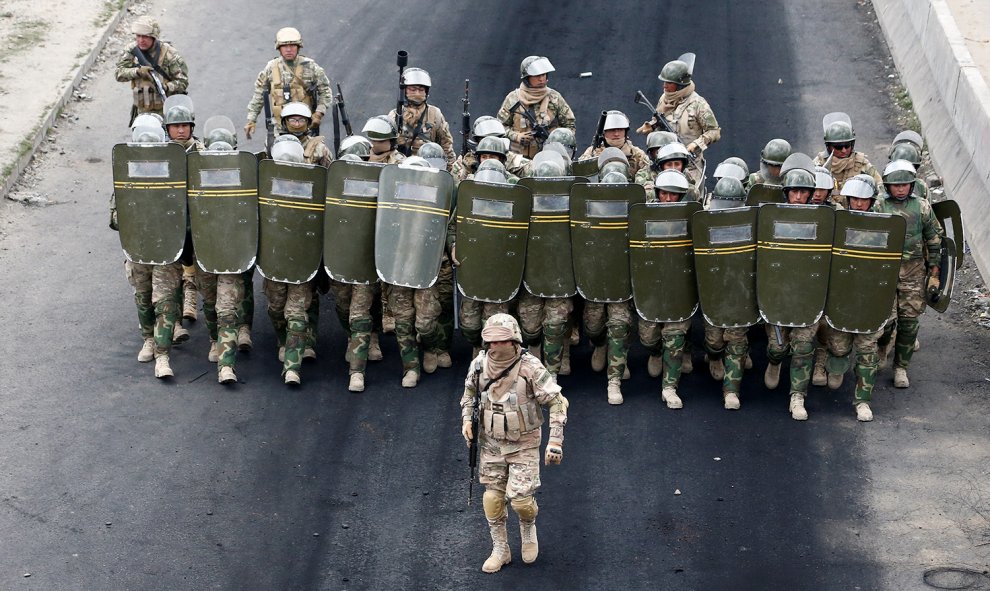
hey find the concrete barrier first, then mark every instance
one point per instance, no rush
(953, 103)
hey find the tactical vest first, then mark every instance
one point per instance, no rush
(508, 419)
(146, 96)
(287, 91)
(424, 130)
(680, 120)
(310, 145)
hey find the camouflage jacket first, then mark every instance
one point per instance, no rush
(758, 178)
(638, 160)
(558, 114)
(431, 126)
(192, 145)
(301, 76)
(315, 150)
(390, 157)
(857, 163)
(171, 68)
(647, 175)
(693, 121)
(466, 165)
(924, 232)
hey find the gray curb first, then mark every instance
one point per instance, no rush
(46, 125)
(953, 103)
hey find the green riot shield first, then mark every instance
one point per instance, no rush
(223, 210)
(600, 239)
(586, 168)
(761, 193)
(349, 221)
(661, 260)
(725, 265)
(950, 217)
(411, 227)
(939, 299)
(149, 184)
(492, 232)
(549, 273)
(866, 260)
(290, 206)
(793, 255)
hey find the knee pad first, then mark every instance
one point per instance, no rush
(907, 329)
(525, 507)
(617, 330)
(715, 354)
(737, 349)
(296, 325)
(531, 338)
(494, 503)
(802, 348)
(838, 364)
(166, 307)
(551, 331)
(674, 343)
(227, 320)
(361, 325)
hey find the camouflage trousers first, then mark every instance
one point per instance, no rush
(544, 321)
(158, 297)
(229, 293)
(287, 308)
(840, 347)
(413, 311)
(800, 344)
(353, 304)
(731, 346)
(206, 284)
(610, 324)
(908, 306)
(474, 314)
(435, 311)
(517, 474)
(668, 340)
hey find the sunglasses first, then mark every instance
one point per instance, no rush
(842, 146)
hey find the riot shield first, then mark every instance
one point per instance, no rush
(793, 255)
(587, 168)
(950, 217)
(290, 211)
(349, 221)
(661, 260)
(866, 260)
(761, 193)
(411, 225)
(223, 210)
(549, 273)
(492, 232)
(149, 183)
(725, 265)
(600, 239)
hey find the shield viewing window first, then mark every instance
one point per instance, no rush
(551, 203)
(360, 188)
(412, 192)
(667, 229)
(730, 234)
(492, 209)
(607, 209)
(220, 177)
(291, 188)
(148, 169)
(795, 230)
(866, 238)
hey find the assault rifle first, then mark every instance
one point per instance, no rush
(642, 100)
(401, 59)
(599, 138)
(314, 93)
(475, 427)
(339, 114)
(155, 71)
(466, 118)
(269, 121)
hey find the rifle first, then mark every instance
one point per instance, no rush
(599, 138)
(475, 424)
(269, 121)
(401, 59)
(466, 118)
(642, 100)
(339, 113)
(155, 77)
(314, 93)
(343, 113)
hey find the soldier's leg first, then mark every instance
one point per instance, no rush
(802, 362)
(910, 305)
(427, 320)
(139, 277)
(342, 303)
(493, 472)
(165, 287)
(402, 307)
(674, 338)
(776, 353)
(651, 337)
(555, 312)
(470, 313)
(524, 480)
(839, 357)
(445, 292)
(245, 312)
(819, 375)
(867, 365)
(359, 344)
(298, 300)
(593, 319)
(229, 293)
(190, 286)
(276, 293)
(206, 284)
(312, 326)
(618, 326)
(736, 349)
(715, 351)
(531, 321)
(388, 319)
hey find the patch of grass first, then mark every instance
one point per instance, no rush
(903, 99)
(25, 36)
(110, 8)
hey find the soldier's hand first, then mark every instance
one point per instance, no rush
(646, 127)
(554, 453)
(934, 284)
(315, 121)
(249, 128)
(524, 137)
(692, 148)
(467, 432)
(144, 71)
(453, 256)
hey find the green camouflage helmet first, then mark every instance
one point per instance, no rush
(547, 169)
(611, 154)
(738, 162)
(357, 145)
(677, 72)
(798, 178)
(485, 126)
(671, 181)
(564, 136)
(615, 166)
(673, 151)
(492, 145)
(490, 175)
(431, 150)
(899, 172)
(659, 139)
(288, 148)
(775, 152)
(614, 177)
(839, 132)
(380, 127)
(501, 320)
(861, 186)
(905, 151)
(491, 165)
(729, 189)
(146, 26)
(534, 65)
(220, 135)
(179, 114)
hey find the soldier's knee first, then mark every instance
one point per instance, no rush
(360, 325)
(525, 507)
(494, 503)
(166, 307)
(737, 349)
(295, 324)
(552, 331)
(802, 348)
(617, 330)
(531, 338)
(837, 364)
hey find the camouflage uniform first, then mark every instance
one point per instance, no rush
(425, 123)
(693, 120)
(171, 67)
(759, 178)
(800, 344)
(315, 150)
(667, 339)
(611, 325)
(353, 304)
(300, 76)
(553, 111)
(390, 157)
(157, 296)
(230, 291)
(840, 346)
(843, 169)
(646, 176)
(543, 321)
(731, 346)
(287, 307)
(638, 160)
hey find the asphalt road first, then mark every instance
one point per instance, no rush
(110, 479)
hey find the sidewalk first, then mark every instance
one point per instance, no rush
(973, 19)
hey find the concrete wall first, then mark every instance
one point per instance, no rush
(953, 102)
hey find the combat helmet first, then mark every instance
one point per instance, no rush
(495, 329)
(611, 154)
(534, 65)
(617, 167)
(775, 152)
(146, 26)
(491, 175)
(357, 145)
(565, 136)
(417, 161)
(824, 179)
(615, 120)
(179, 114)
(416, 77)
(839, 132)
(548, 169)
(861, 186)
(731, 170)
(738, 162)
(296, 109)
(220, 136)
(380, 127)
(906, 151)
(677, 72)
(492, 145)
(485, 126)
(433, 154)
(899, 172)
(659, 139)
(728, 193)
(288, 36)
(148, 120)
(613, 177)
(148, 134)
(671, 152)
(491, 164)
(910, 136)
(798, 178)
(671, 181)
(288, 148)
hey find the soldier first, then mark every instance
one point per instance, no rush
(924, 167)
(687, 113)
(159, 63)
(467, 164)
(673, 156)
(908, 151)
(919, 263)
(383, 135)
(506, 387)
(616, 135)
(824, 185)
(297, 120)
(565, 137)
(771, 159)
(421, 121)
(290, 78)
(840, 157)
(533, 110)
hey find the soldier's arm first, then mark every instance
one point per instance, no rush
(261, 83)
(565, 116)
(644, 176)
(178, 73)
(324, 88)
(932, 233)
(711, 132)
(326, 156)
(445, 140)
(548, 393)
(588, 153)
(467, 399)
(127, 67)
(873, 172)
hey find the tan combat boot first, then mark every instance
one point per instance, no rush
(614, 391)
(226, 375)
(189, 310)
(530, 544)
(654, 366)
(863, 412)
(374, 349)
(835, 380)
(717, 368)
(162, 368)
(500, 549)
(771, 378)
(410, 378)
(244, 342)
(309, 353)
(818, 377)
(575, 336)
(687, 363)
(147, 352)
(669, 395)
(900, 378)
(730, 400)
(214, 355)
(798, 413)
(356, 383)
(444, 360)
(292, 378)
(598, 358)
(429, 361)
(281, 354)
(179, 334)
